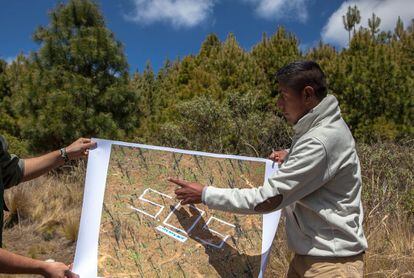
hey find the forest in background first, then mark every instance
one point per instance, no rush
(222, 100)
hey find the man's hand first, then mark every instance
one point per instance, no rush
(278, 156)
(58, 270)
(189, 193)
(80, 148)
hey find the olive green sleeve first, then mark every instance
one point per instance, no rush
(12, 167)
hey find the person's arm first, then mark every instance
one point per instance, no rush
(37, 166)
(15, 264)
(305, 171)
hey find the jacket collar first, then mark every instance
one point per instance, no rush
(326, 110)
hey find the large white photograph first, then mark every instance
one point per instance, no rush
(133, 226)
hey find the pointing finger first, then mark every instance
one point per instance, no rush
(179, 182)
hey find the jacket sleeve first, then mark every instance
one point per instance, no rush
(305, 171)
(12, 167)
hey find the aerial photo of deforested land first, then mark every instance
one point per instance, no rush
(145, 232)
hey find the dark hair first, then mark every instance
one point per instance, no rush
(299, 74)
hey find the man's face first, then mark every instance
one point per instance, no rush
(292, 104)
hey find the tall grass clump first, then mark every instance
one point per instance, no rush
(44, 214)
(388, 187)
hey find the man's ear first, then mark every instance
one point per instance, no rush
(309, 93)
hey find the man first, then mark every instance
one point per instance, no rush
(318, 183)
(14, 170)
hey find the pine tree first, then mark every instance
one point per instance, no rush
(374, 23)
(372, 85)
(351, 19)
(399, 28)
(8, 127)
(78, 80)
(274, 52)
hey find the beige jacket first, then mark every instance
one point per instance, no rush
(320, 186)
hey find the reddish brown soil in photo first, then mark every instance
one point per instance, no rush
(140, 203)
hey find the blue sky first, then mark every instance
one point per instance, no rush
(156, 30)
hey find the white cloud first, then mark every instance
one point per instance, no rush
(388, 10)
(179, 13)
(10, 60)
(280, 9)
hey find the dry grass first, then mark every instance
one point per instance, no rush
(70, 225)
(388, 194)
(46, 214)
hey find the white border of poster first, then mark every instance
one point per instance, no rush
(86, 256)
